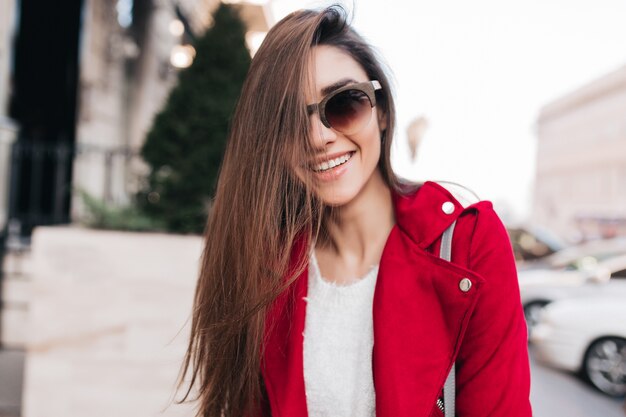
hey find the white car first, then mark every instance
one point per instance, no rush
(539, 287)
(586, 335)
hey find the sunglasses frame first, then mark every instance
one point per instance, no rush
(367, 87)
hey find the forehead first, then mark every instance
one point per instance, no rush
(331, 65)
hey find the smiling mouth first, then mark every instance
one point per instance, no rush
(332, 163)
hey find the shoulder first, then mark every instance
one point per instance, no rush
(479, 224)
(480, 242)
(425, 210)
(462, 194)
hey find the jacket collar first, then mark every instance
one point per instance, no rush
(431, 221)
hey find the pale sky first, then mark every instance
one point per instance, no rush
(480, 72)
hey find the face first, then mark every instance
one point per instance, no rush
(346, 159)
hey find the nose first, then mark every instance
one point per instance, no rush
(321, 135)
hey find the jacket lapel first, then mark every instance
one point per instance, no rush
(420, 315)
(420, 312)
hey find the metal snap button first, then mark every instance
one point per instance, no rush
(465, 284)
(448, 207)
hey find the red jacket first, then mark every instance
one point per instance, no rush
(423, 321)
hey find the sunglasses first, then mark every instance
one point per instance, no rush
(347, 109)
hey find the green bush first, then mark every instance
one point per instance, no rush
(100, 215)
(185, 145)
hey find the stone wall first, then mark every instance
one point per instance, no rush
(109, 318)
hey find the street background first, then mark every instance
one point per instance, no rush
(113, 119)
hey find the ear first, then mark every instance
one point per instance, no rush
(382, 120)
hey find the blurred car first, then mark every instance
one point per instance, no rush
(539, 287)
(532, 243)
(586, 335)
(581, 256)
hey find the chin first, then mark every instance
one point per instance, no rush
(338, 198)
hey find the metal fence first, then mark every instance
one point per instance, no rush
(40, 180)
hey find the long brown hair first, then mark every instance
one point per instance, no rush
(261, 209)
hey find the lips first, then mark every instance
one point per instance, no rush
(332, 161)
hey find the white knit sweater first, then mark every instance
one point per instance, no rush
(338, 341)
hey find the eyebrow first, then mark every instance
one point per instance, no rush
(330, 88)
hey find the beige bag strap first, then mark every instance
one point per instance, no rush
(449, 387)
(466, 197)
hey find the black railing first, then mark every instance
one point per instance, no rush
(41, 180)
(40, 183)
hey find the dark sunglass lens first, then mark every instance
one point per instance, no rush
(348, 111)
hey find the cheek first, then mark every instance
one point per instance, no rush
(372, 145)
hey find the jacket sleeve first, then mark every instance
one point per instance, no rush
(493, 375)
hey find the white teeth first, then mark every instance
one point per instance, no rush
(326, 165)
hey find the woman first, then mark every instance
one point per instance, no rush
(321, 291)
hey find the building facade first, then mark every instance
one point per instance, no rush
(84, 82)
(126, 75)
(580, 187)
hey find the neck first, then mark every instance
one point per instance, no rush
(358, 230)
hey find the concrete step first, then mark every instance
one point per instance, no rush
(17, 263)
(14, 300)
(11, 380)
(13, 327)
(15, 291)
